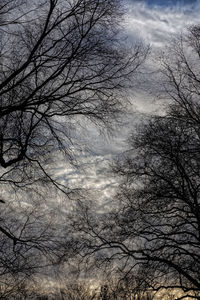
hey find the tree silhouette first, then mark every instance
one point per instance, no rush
(154, 230)
(60, 62)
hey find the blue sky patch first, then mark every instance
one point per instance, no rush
(166, 3)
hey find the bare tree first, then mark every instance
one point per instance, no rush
(34, 240)
(153, 235)
(60, 62)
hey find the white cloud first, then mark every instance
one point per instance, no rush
(92, 174)
(157, 25)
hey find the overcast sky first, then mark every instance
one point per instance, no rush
(155, 22)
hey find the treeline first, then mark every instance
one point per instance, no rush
(80, 291)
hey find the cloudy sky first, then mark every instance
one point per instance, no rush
(155, 22)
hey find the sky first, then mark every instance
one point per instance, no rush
(168, 2)
(157, 21)
(154, 22)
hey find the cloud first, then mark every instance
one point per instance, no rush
(156, 24)
(91, 174)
